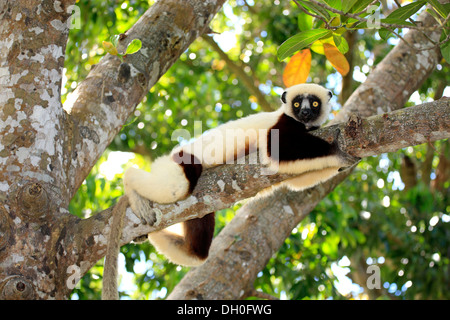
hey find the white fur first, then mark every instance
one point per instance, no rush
(222, 144)
(165, 183)
(310, 179)
(173, 247)
(305, 165)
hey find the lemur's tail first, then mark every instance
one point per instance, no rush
(191, 248)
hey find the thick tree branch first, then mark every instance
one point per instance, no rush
(221, 187)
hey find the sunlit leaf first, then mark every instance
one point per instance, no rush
(305, 21)
(300, 41)
(297, 69)
(336, 4)
(336, 58)
(445, 50)
(347, 5)
(312, 7)
(110, 48)
(317, 46)
(443, 12)
(407, 11)
(360, 5)
(341, 43)
(134, 46)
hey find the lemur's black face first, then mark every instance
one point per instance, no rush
(306, 107)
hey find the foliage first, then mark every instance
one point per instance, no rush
(111, 47)
(332, 19)
(368, 219)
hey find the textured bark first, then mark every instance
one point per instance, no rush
(46, 151)
(387, 88)
(33, 198)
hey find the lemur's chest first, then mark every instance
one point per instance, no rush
(288, 140)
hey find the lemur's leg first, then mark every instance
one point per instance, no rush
(173, 178)
(191, 247)
(165, 183)
(310, 179)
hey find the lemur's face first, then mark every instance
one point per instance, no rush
(307, 103)
(306, 108)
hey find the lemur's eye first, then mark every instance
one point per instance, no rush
(296, 104)
(315, 104)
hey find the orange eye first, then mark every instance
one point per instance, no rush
(315, 104)
(296, 104)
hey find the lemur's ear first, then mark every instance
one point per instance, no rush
(283, 97)
(330, 94)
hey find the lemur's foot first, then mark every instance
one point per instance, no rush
(346, 160)
(142, 208)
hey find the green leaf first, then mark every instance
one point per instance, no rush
(114, 39)
(336, 4)
(360, 5)
(300, 41)
(443, 12)
(407, 11)
(110, 48)
(315, 9)
(397, 21)
(134, 46)
(305, 21)
(347, 5)
(445, 50)
(340, 43)
(384, 33)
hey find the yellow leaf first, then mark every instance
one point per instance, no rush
(297, 69)
(317, 46)
(336, 58)
(109, 47)
(218, 64)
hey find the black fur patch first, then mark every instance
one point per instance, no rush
(191, 166)
(306, 115)
(283, 97)
(199, 234)
(295, 143)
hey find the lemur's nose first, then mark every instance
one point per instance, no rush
(305, 112)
